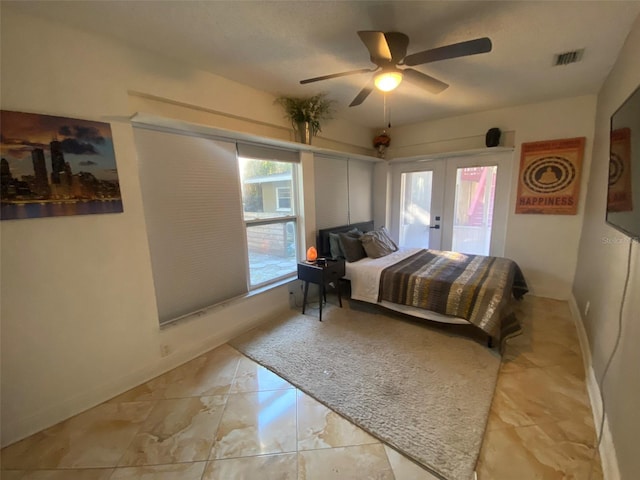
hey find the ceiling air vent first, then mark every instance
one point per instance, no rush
(568, 57)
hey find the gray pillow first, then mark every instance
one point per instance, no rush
(334, 246)
(334, 243)
(351, 247)
(386, 233)
(378, 243)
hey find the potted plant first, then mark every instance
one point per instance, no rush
(306, 114)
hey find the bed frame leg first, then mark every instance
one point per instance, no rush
(489, 341)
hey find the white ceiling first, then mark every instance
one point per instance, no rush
(271, 45)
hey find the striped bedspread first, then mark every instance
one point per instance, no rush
(473, 287)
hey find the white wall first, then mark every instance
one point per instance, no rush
(601, 272)
(545, 246)
(79, 321)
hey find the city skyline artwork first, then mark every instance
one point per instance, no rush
(56, 166)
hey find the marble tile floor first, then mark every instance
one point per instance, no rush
(222, 416)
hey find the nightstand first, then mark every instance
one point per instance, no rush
(321, 276)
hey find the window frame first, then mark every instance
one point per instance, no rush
(283, 219)
(278, 207)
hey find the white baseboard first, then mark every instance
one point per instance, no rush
(607, 448)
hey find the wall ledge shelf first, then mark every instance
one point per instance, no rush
(461, 153)
(155, 122)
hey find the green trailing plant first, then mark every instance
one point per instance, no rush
(312, 110)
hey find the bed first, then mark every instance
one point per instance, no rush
(440, 286)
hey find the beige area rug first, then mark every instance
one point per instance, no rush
(424, 390)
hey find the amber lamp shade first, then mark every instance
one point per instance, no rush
(312, 254)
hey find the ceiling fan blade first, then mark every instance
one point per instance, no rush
(398, 43)
(336, 75)
(377, 45)
(362, 96)
(426, 82)
(462, 49)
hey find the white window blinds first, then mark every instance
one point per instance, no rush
(344, 191)
(251, 150)
(360, 191)
(332, 191)
(192, 205)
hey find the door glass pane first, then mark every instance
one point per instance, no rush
(473, 217)
(415, 209)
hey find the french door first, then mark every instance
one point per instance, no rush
(457, 203)
(418, 192)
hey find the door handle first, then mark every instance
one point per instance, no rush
(437, 227)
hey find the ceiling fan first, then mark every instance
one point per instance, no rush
(388, 50)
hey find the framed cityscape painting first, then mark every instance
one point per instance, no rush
(56, 166)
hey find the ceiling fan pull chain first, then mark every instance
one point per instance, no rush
(384, 107)
(389, 117)
(386, 112)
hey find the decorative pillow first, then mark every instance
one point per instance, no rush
(334, 243)
(351, 247)
(378, 243)
(386, 233)
(334, 246)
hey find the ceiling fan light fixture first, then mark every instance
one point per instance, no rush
(388, 80)
(388, 50)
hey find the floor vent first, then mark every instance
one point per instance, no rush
(568, 57)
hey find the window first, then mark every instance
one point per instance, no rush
(191, 198)
(269, 212)
(283, 198)
(199, 211)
